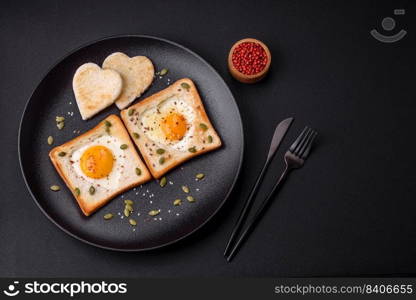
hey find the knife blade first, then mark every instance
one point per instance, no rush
(278, 136)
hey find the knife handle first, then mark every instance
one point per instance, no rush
(246, 207)
(259, 212)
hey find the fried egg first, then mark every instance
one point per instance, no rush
(170, 124)
(100, 162)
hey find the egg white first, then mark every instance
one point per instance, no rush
(110, 182)
(152, 118)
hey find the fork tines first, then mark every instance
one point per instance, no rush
(303, 144)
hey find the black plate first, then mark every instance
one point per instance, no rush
(53, 96)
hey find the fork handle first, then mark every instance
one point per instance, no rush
(259, 212)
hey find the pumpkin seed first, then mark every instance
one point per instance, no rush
(190, 199)
(185, 189)
(163, 181)
(132, 222)
(62, 154)
(154, 213)
(203, 126)
(136, 135)
(59, 119)
(177, 202)
(108, 216)
(210, 139)
(92, 190)
(129, 207)
(77, 191)
(185, 86)
(107, 123)
(123, 147)
(50, 140)
(160, 151)
(162, 160)
(55, 188)
(200, 176)
(192, 149)
(126, 212)
(131, 111)
(107, 129)
(127, 201)
(60, 125)
(163, 72)
(138, 171)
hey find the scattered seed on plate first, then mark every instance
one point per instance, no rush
(163, 72)
(108, 216)
(200, 176)
(132, 222)
(190, 199)
(50, 140)
(129, 207)
(55, 188)
(60, 125)
(177, 202)
(185, 189)
(154, 213)
(59, 119)
(126, 212)
(127, 201)
(163, 181)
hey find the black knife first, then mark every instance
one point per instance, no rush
(278, 136)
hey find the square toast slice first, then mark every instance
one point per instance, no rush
(123, 168)
(203, 139)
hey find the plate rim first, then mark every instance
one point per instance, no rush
(73, 235)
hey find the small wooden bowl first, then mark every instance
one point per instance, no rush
(249, 78)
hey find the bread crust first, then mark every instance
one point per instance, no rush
(117, 129)
(203, 117)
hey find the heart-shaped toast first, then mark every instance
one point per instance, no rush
(95, 88)
(137, 73)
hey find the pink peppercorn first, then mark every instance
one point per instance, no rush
(249, 58)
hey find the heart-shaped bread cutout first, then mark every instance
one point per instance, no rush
(95, 88)
(137, 73)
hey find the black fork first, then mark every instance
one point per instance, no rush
(294, 158)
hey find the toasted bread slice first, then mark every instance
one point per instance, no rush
(137, 73)
(162, 156)
(124, 167)
(95, 89)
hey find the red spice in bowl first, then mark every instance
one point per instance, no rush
(249, 60)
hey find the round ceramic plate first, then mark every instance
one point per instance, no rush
(54, 97)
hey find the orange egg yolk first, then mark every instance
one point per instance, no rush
(97, 162)
(174, 126)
